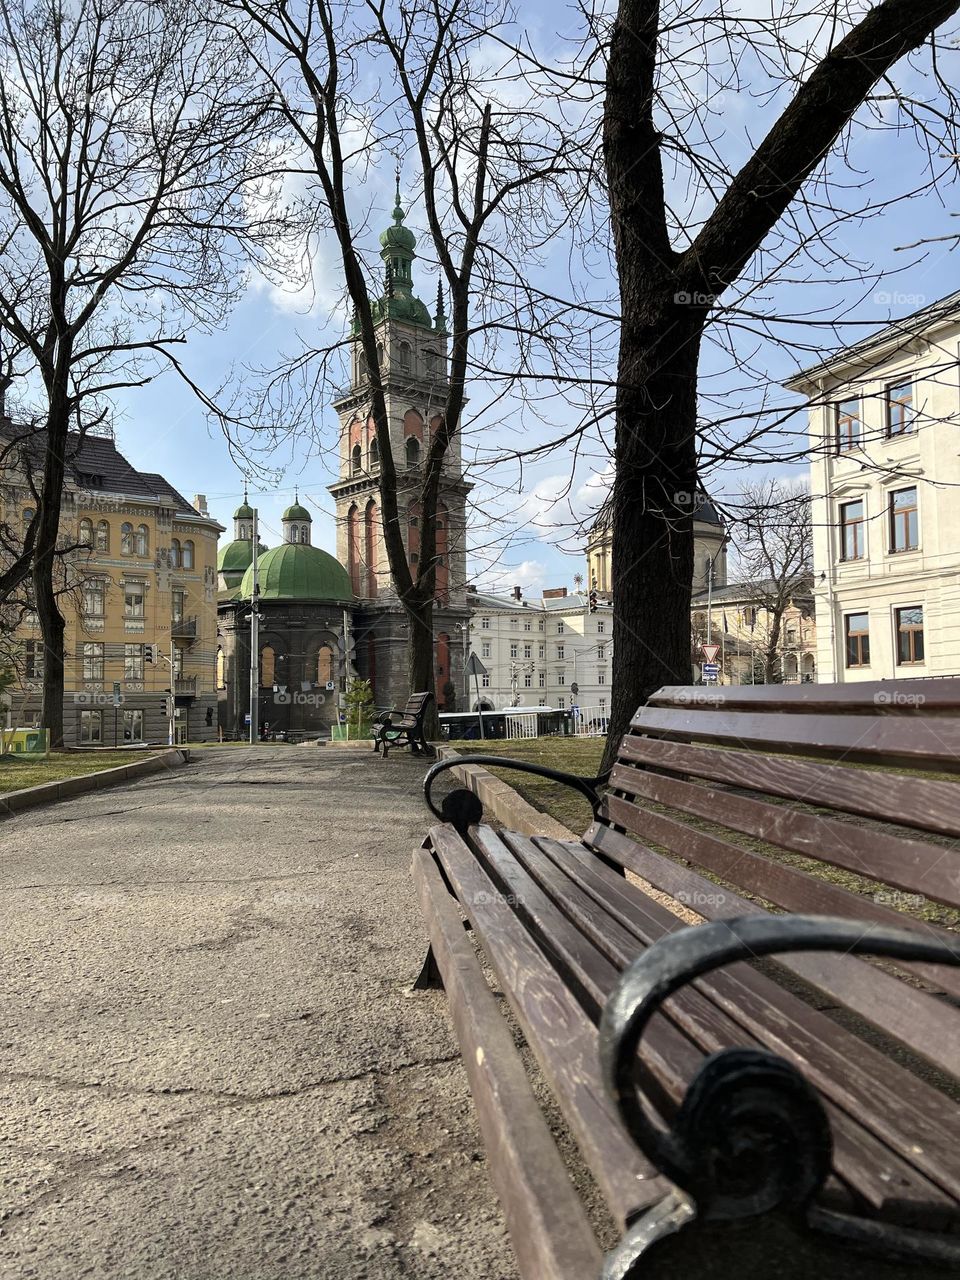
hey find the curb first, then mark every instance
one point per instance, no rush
(506, 805)
(50, 792)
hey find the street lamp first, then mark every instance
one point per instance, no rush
(515, 669)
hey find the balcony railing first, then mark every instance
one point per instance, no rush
(184, 628)
(185, 686)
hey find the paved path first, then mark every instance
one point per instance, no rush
(211, 1067)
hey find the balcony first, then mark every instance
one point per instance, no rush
(185, 686)
(184, 628)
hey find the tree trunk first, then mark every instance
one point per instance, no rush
(654, 497)
(422, 677)
(44, 566)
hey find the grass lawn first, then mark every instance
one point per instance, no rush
(18, 773)
(571, 755)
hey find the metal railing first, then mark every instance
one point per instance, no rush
(184, 628)
(185, 686)
(589, 722)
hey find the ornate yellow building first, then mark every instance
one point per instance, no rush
(139, 596)
(709, 548)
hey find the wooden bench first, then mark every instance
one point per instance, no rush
(403, 728)
(740, 1116)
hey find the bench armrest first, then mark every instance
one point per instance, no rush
(460, 814)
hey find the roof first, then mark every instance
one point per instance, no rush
(244, 511)
(296, 512)
(236, 556)
(911, 326)
(296, 571)
(749, 592)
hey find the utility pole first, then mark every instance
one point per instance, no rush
(255, 637)
(172, 704)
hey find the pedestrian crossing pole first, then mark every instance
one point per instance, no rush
(255, 638)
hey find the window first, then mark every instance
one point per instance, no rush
(33, 659)
(126, 538)
(178, 599)
(857, 633)
(561, 703)
(484, 624)
(92, 660)
(133, 662)
(541, 626)
(405, 356)
(560, 628)
(561, 678)
(325, 664)
(413, 451)
(133, 726)
(133, 600)
(143, 540)
(527, 680)
(909, 634)
(853, 543)
(601, 627)
(187, 561)
(374, 453)
(601, 677)
(430, 361)
(90, 728)
(542, 680)
(849, 426)
(93, 594)
(527, 651)
(485, 649)
(560, 651)
(174, 553)
(485, 681)
(899, 408)
(356, 460)
(600, 650)
(103, 537)
(514, 651)
(292, 534)
(904, 528)
(268, 663)
(85, 533)
(221, 670)
(542, 702)
(527, 624)
(541, 651)
(603, 705)
(750, 616)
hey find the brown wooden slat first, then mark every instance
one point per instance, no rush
(785, 886)
(926, 803)
(548, 1226)
(929, 869)
(902, 698)
(926, 1024)
(562, 1038)
(904, 1112)
(877, 1179)
(924, 742)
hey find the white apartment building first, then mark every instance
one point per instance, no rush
(884, 423)
(548, 652)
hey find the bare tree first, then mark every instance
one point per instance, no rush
(487, 174)
(819, 63)
(774, 542)
(134, 146)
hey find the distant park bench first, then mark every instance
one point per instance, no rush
(795, 1117)
(403, 728)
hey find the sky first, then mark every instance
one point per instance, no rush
(163, 428)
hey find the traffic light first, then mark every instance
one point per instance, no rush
(168, 708)
(151, 653)
(593, 601)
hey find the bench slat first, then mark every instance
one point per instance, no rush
(785, 886)
(925, 1024)
(926, 803)
(866, 697)
(548, 1225)
(561, 1036)
(904, 1112)
(929, 869)
(922, 742)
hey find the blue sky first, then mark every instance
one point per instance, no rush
(162, 427)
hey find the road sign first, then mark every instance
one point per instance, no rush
(710, 652)
(710, 670)
(475, 667)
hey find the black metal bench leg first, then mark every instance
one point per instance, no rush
(429, 979)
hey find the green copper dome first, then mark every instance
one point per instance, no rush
(296, 571)
(243, 512)
(235, 557)
(296, 512)
(398, 236)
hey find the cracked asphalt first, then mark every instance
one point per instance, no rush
(211, 1062)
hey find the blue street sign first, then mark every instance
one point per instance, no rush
(710, 668)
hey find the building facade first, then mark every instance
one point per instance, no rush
(137, 581)
(884, 417)
(709, 549)
(412, 356)
(738, 618)
(549, 652)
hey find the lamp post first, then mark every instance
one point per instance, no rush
(255, 639)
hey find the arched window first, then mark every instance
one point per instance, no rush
(221, 682)
(103, 536)
(371, 531)
(374, 453)
(430, 361)
(361, 366)
(356, 460)
(413, 451)
(174, 553)
(242, 534)
(304, 534)
(187, 560)
(325, 664)
(380, 354)
(353, 547)
(85, 533)
(268, 662)
(405, 356)
(143, 540)
(292, 533)
(126, 538)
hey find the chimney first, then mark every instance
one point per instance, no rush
(517, 593)
(200, 503)
(555, 593)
